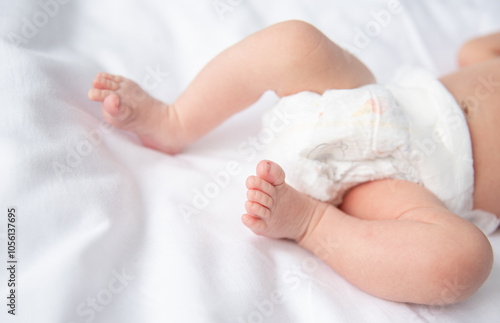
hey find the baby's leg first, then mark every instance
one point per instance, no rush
(287, 58)
(391, 238)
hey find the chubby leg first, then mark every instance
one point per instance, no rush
(287, 58)
(390, 238)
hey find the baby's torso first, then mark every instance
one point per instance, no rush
(477, 91)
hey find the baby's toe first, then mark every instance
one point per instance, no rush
(114, 112)
(257, 183)
(98, 95)
(257, 210)
(116, 78)
(105, 84)
(258, 226)
(271, 172)
(260, 197)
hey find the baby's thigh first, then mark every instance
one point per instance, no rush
(387, 199)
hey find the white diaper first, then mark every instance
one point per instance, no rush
(411, 129)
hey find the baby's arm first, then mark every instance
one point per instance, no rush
(479, 50)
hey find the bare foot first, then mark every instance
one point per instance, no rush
(127, 106)
(277, 210)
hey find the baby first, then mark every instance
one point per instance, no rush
(388, 234)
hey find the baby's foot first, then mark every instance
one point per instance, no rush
(127, 106)
(276, 209)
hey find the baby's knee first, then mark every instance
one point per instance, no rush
(466, 55)
(472, 52)
(297, 27)
(296, 37)
(464, 266)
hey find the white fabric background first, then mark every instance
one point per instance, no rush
(92, 210)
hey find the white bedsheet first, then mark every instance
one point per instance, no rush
(110, 231)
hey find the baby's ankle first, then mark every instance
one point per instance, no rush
(318, 212)
(186, 130)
